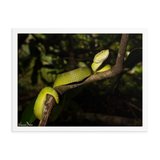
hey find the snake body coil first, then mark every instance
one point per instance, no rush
(76, 75)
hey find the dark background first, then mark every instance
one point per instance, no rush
(111, 102)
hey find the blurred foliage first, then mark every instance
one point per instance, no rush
(41, 57)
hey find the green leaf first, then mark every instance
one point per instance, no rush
(55, 112)
(134, 57)
(28, 116)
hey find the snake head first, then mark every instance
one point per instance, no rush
(99, 58)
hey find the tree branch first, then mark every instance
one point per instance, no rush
(50, 102)
(121, 53)
(118, 67)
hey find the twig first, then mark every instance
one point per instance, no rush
(134, 106)
(95, 77)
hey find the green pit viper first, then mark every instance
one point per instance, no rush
(76, 75)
